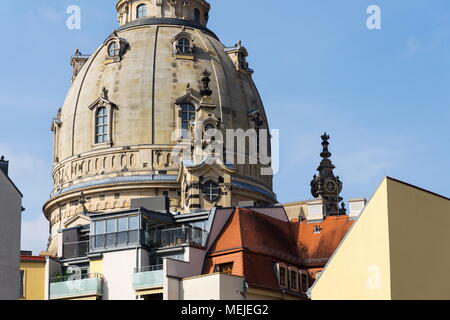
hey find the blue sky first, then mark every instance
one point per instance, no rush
(383, 95)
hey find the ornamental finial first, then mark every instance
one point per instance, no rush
(325, 153)
(105, 93)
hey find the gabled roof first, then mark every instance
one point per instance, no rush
(264, 241)
(256, 232)
(12, 183)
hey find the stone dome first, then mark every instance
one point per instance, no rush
(113, 136)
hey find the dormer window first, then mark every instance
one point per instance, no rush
(184, 46)
(101, 125)
(113, 49)
(293, 278)
(317, 229)
(102, 116)
(187, 115)
(304, 281)
(211, 191)
(141, 11)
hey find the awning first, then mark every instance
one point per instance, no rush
(149, 292)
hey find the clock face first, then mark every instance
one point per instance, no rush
(331, 186)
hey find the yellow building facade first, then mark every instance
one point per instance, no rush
(32, 270)
(386, 255)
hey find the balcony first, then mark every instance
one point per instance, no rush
(83, 286)
(169, 238)
(73, 250)
(148, 278)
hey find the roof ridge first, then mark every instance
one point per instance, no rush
(264, 215)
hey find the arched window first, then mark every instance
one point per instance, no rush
(101, 125)
(197, 15)
(187, 114)
(211, 191)
(141, 11)
(113, 49)
(184, 46)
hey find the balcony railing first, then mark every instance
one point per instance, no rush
(169, 238)
(148, 278)
(76, 286)
(75, 249)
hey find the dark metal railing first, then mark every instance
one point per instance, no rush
(168, 238)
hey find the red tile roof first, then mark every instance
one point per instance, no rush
(32, 259)
(318, 246)
(256, 242)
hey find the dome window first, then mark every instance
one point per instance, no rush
(141, 11)
(184, 46)
(211, 191)
(187, 115)
(102, 114)
(113, 49)
(101, 125)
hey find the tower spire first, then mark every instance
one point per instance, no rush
(326, 185)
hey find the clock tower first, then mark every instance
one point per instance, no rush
(326, 186)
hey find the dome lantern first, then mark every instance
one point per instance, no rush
(196, 11)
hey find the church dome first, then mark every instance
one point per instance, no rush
(113, 138)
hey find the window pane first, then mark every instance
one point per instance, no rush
(133, 237)
(100, 227)
(134, 223)
(111, 226)
(122, 239)
(123, 224)
(111, 240)
(99, 241)
(293, 279)
(142, 11)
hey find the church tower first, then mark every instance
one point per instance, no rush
(118, 136)
(326, 186)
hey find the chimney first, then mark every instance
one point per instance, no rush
(356, 207)
(4, 165)
(316, 209)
